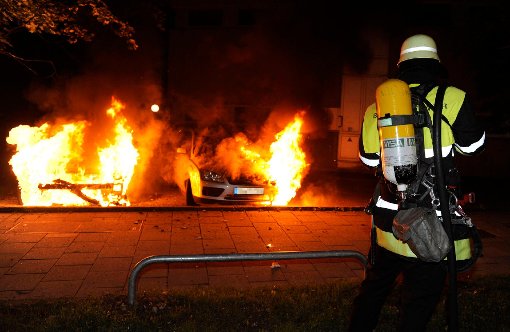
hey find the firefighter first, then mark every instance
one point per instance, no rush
(421, 282)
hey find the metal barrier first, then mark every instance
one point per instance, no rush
(133, 276)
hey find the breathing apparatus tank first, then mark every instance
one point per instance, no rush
(396, 133)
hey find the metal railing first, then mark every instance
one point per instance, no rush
(133, 276)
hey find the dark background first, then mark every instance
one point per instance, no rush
(282, 55)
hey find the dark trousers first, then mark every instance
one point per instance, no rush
(422, 284)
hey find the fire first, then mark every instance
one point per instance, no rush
(286, 166)
(288, 162)
(51, 169)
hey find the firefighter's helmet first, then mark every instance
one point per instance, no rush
(418, 46)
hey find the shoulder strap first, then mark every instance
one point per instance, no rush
(438, 108)
(421, 106)
(418, 97)
(421, 93)
(423, 89)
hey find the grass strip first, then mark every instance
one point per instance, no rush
(484, 304)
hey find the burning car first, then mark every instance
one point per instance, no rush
(211, 183)
(56, 165)
(237, 170)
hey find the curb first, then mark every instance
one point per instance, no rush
(44, 209)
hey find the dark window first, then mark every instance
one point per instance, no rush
(246, 17)
(209, 17)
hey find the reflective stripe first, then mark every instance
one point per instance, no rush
(392, 206)
(369, 162)
(438, 212)
(385, 204)
(473, 147)
(389, 242)
(445, 150)
(419, 48)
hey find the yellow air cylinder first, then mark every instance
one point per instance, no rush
(398, 149)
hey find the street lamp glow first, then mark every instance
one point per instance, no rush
(155, 108)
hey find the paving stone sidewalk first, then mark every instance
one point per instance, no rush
(46, 254)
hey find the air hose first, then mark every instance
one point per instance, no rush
(445, 211)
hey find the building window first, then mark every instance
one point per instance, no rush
(205, 18)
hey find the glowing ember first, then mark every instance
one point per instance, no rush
(51, 168)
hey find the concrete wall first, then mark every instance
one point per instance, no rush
(357, 93)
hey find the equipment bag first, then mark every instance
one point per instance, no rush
(423, 231)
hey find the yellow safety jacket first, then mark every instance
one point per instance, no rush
(466, 142)
(461, 134)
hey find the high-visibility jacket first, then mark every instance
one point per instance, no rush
(461, 134)
(465, 134)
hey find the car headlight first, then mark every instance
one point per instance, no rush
(211, 176)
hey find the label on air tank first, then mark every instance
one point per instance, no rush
(399, 159)
(399, 151)
(400, 142)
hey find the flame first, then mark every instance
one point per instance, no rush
(51, 170)
(286, 166)
(288, 162)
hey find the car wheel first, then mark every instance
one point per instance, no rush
(190, 201)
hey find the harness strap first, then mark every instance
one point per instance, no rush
(421, 93)
(425, 165)
(397, 120)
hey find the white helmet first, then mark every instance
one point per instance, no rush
(418, 46)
